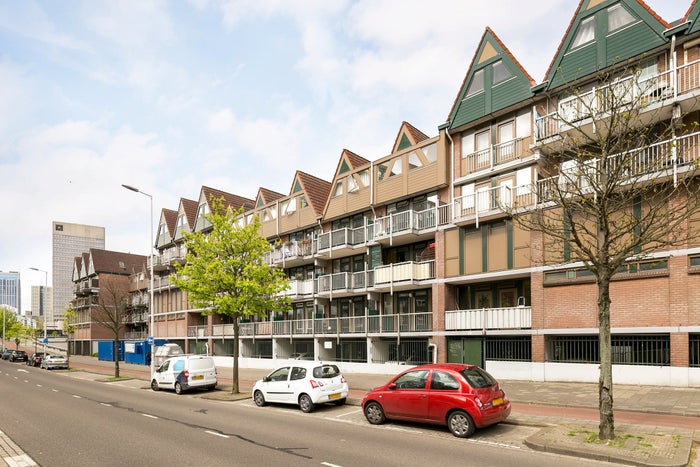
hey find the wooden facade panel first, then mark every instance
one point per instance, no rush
(633, 40)
(497, 248)
(521, 247)
(472, 108)
(504, 94)
(336, 207)
(451, 251)
(576, 64)
(473, 252)
(390, 189)
(358, 201)
(422, 178)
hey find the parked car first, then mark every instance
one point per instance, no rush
(463, 397)
(6, 354)
(35, 359)
(51, 362)
(185, 372)
(18, 356)
(303, 383)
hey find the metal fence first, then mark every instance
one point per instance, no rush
(647, 349)
(509, 348)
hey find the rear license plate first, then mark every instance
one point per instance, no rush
(498, 401)
(197, 377)
(335, 395)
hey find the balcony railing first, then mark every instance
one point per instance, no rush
(489, 318)
(406, 271)
(345, 281)
(390, 323)
(495, 155)
(636, 90)
(345, 237)
(289, 251)
(406, 221)
(300, 288)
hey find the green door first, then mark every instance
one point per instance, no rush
(466, 350)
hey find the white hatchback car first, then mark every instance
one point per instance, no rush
(303, 383)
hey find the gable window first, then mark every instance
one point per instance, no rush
(500, 72)
(364, 177)
(352, 185)
(338, 188)
(618, 17)
(302, 202)
(585, 34)
(477, 83)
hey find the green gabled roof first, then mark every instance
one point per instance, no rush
(693, 15)
(407, 136)
(643, 34)
(512, 90)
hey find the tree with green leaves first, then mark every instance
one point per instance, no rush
(620, 186)
(12, 327)
(69, 327)
(225, 273)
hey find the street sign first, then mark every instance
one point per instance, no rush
(46, 340)
(150, 340)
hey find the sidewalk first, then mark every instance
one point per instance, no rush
(656, 425)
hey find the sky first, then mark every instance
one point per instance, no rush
(168, 96)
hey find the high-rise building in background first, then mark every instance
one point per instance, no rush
(42, 300)
(10, 291)
(68, 241)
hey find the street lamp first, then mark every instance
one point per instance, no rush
(43, 299)
(151, 304)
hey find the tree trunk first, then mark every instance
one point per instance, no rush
(605, 382)
(116, 358)
(235, 388)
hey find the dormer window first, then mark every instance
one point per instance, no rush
(585, 34)
(618, 17)
(500, 72)
(477, 84)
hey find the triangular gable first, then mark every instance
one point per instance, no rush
(407, 136)
(348, 161)
(266, 196)
(166, 227)
(589, 45)
(495, 80)
(187, 211)
(77, 264)
(315, 189)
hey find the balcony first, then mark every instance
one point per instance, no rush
(397, 276)
(341, 242)
(498, 155)
(643, 91)
(87, 287)
(492, 203)
(405, 227)
(166, 258)
(345, 283)
(300, 289)
(346, 325)
(138, 300)
(489, 318)
(291, 254)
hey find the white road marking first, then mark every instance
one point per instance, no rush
(105, 404)
(216, 434)
(149, 416)
(77, 396)
(329, 464)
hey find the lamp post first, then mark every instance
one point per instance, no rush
(151, 327)
(43, 299)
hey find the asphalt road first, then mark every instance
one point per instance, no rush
(60, 420)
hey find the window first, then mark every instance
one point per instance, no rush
(412, 380)
(364, 177)
(477, 84)
(500, 72)
(414, 161)
(338, 188)
(618, 17)
(442, 381)
(585, 34)
(352, 185)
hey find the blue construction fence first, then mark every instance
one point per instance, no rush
(138, 352)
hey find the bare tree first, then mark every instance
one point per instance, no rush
(619, 185)
(111, 310)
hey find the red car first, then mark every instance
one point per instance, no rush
(463, 397)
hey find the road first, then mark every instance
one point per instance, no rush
(61, 420)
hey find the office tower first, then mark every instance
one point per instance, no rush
(10, 291)
(42, 300)
(68, 241)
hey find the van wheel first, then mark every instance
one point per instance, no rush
(154, 385)
(178, 388)
(259, 399)
(305, 403)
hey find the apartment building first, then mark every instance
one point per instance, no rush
(103, 300)
(414, 256)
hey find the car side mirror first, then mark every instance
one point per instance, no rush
(266, 379)
(392, 386)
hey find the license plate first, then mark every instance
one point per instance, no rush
(197, 377)
(335, 395)
(498, 401)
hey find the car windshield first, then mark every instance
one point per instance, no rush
(326, 371)
(477, 378)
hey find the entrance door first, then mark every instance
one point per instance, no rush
(466, 350)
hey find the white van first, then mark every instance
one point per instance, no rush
(185, 372)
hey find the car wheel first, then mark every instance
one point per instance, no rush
(259, 399)
(339, 402)
(305, 403)
(374, 413)
(154, 385)
(460, 424)
(178, 388)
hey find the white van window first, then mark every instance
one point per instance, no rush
(201, 363)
